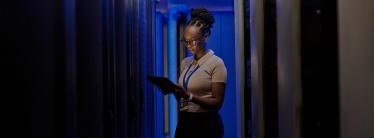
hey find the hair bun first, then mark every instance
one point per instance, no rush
(204, 15)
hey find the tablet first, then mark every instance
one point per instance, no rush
(163, 83)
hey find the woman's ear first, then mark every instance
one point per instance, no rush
(206, 38)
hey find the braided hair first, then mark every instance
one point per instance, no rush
(202, 18)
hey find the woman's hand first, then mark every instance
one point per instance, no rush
(181, 93)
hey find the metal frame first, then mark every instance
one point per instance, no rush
(289, 72)
(239, 62)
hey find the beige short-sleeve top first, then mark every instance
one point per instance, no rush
(203, 73)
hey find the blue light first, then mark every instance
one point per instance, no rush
(172, 59)
(159, 97)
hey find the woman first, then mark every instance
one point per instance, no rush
(202, 82)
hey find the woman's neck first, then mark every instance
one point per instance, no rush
(200, 54)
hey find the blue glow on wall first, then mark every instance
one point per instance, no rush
(222, 42)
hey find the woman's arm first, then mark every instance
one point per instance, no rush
(214, 102)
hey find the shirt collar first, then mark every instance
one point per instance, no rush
(209, 54)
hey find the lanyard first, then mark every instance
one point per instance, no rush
(185, 82)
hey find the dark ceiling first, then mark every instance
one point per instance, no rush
(213, 5)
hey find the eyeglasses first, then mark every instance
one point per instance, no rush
(189, 43)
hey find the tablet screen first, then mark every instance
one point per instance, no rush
(163, 83)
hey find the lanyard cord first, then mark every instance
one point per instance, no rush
(185, 82)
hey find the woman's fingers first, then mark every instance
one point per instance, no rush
(181, 92)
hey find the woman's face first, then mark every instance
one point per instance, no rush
(192, 39)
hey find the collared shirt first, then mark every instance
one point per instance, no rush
(203, 73)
